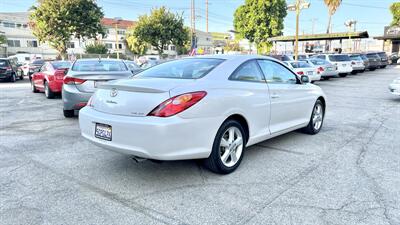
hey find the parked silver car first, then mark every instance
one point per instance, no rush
(324, 68)
(85, 76)
(357, 63)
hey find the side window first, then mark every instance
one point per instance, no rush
(276, 73)
(321, 56)
(248, 71)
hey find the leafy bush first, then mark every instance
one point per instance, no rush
(96, 48)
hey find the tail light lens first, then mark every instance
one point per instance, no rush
(8, 68)
(320, 70)
(59, 74)
(353, 63)
(300, 73)
(177, 104)
(73, 80)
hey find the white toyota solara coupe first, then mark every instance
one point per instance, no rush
(208, 107)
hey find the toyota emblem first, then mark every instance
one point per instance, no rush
(113, 92)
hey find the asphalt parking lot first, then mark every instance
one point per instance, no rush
(347, 174)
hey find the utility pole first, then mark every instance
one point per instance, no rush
(297, 7)
(207, 16)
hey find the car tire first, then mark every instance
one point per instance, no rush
(227, 151)
(372, 69)
(343, 75)
(326, 78)
(382, 67)
(33, 87)
(316, 120)
(47, 91)
(362, 71)
(69, 113)
(13, 78)
(354, 72)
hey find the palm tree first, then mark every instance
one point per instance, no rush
(332, 5)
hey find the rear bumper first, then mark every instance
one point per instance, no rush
(358, 68)
(172, 138)
(56, 85)
(330, 74)
(73, 99)
(6, 75)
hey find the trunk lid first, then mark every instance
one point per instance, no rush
(134, 97)
(95, 79)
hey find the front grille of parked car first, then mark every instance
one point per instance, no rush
(2, 70)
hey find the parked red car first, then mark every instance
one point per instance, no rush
(49, 78)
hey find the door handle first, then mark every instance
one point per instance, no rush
(274, 96)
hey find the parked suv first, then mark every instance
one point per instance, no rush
(374, 61)
(365, 61)
(9, 70)
(384, 59)
(357, 63)
(342, 62)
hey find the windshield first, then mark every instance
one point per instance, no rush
(356, 58)
(3, 63)
(339, 58)
(319, 62)
(99, 65)
(300, 65)
(61, 64)
(193, 68)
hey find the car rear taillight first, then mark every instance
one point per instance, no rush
(300, 73)
(177, 104)
(73, 80)
(320, 69)
(8, 68)
(59, 74)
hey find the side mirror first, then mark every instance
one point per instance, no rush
(304, 79)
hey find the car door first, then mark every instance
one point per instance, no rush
(251, 96)
(39, 76)
(291, 101)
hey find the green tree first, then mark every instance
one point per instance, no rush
(96, 48)
(233, 46)
(258, 20)
(134, 44)
(332, 5)
(395, 9)
(161, 28)
(3, 39)
(56, 21)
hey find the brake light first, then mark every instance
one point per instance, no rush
(73, 80)
(59, 74)
(320, 70)
(353, 63)
(300, 73)
(177, 104)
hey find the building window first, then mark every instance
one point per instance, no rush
(71, 45)
(121, 32)
(172, 48)
(14, 43)
(165, 47)
(32, 44)
(119, 46)
(25, 25)
(108, 45)
(8, 24)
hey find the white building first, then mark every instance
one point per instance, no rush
(20, 39)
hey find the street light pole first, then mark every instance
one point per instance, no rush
(297, 7)
(117, 20)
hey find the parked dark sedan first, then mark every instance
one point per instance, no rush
(365, 60)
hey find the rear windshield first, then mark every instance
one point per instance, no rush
(364, 57)
(372, 56)
(339, 58)
(99, 65)
(3, 62)
(182, 68)
(61, 64)
(319, 62)
(38, 62)
(300, 65)
(355, 57)
(382, 54)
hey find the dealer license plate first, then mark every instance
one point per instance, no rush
(103, 131)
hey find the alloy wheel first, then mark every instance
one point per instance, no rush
(231, 146)
(46, 89)
(318, 116)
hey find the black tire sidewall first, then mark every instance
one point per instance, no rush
(311, 125)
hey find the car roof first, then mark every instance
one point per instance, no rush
(97, 59)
